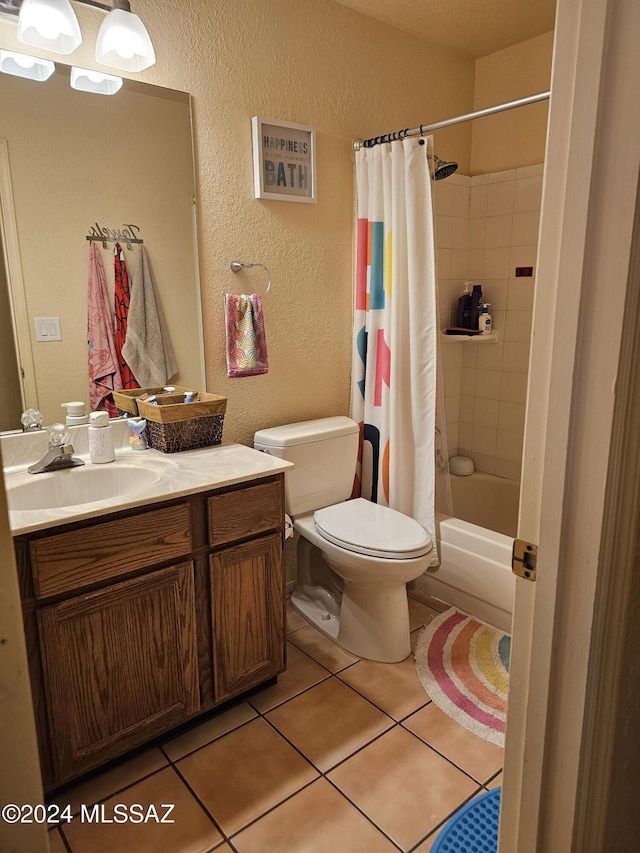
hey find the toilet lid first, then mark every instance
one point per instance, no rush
(368, 528)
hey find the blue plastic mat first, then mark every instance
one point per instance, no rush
(472, 829)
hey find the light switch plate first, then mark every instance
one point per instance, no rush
(47, 328)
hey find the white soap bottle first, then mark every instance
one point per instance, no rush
(76, 414)
(101, 447)
(485, 319)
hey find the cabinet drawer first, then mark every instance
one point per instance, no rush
(88, 555)
(245, 512)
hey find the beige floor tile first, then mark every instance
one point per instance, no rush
(471, 753)
(427, 844)
(208, 730)
(301, 672)
(241, 775)
(56, 844)
(393, 687)
(496, 782)
(294, 619)
(316, 820)
(329, 722)
(192, 830)
(419, 614)
(403, 786)
(323, 650)
(99, 787)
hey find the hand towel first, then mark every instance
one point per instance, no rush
(104, 373)
(122, 296)
(246, 339)
(147, 348)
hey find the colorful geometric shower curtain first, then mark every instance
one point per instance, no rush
(395, 329)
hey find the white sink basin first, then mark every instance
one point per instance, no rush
(79, 486)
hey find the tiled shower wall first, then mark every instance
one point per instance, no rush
(486, 226)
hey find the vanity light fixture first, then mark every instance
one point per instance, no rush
(50, 24)
(22, 65)
(123, 41)
(96, 82)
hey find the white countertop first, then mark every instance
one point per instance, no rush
(179, 474)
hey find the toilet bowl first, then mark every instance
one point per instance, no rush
(355, 557)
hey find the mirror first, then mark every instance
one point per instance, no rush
(72, 164)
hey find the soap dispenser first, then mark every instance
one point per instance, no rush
(101, 447)
(75, 413)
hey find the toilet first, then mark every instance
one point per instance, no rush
(355, 557)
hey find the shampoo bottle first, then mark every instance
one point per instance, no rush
(75, 413)
(485, 319)
(476, 307)
(101, 447)
(463, 313)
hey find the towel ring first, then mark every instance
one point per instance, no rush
(236, 266)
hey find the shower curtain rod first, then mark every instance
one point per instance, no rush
(427, 128)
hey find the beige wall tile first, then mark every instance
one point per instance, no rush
(476, 233)
(515, 357)
(490, 356)
(498, 229)
(509, 446)
(484, 462)
(443, 198)
(529, 171)
(460, 232)
(495, 291)
(484, 439)
(487, 387)
(459, 263)
(465, 431)
(496, 263)
(522, 256)
(511, 417)
(485, 412)
(513, 387)
(478, 180)
(468, 381)
(451, 405)
(461, 201)
(525, 228)
(475, 264)
(444, 226)
(466, 409)
(478, 201)
(518, 326)
(520, 293)
(528, 194)
(506, 175)
(500, 197)
(510, 469)
(451, 377)
(443, 264)
(470, 354)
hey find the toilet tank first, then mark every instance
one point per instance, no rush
(325, 453)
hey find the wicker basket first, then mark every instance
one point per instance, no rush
(174, 426)
(127, 401)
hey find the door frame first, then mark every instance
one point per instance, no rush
(579, 349)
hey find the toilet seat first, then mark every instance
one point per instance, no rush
(368, 528)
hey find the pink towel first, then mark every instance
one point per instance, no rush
(246, 339)
(104, 374)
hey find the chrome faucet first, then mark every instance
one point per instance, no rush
(60, 452)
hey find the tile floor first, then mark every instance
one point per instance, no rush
(340, 755)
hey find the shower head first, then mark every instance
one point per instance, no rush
(442, 169)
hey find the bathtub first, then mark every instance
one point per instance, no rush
(475, 559)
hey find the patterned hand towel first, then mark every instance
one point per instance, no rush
(246, 339)
(104, 372)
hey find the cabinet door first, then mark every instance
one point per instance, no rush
(120, 667)
(247, 603)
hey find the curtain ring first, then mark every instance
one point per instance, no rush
(421, 133)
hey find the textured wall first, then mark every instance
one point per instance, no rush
(308, 61)
(515, 138)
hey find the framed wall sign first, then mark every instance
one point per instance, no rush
(284, 167)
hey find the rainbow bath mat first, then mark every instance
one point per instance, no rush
(463, 664)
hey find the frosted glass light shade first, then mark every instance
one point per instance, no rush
(124, 43)
(51, 24)
(22, 65)
(96, 82)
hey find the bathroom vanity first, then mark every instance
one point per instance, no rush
(146, 613)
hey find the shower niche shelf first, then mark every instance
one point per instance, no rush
(490, 338)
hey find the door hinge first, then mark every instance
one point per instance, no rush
(524, 560)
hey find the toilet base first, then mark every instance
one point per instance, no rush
(374, 622)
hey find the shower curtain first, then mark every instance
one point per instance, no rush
(395, 329)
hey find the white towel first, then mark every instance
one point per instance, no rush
(147, 348)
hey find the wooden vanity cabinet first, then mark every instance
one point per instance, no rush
(149, 619)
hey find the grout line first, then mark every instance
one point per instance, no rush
(67, 846)
(444, 820)
(106, 797)
(200, 803)
(364, 814)
(449, 760)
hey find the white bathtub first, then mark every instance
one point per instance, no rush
(475, 561)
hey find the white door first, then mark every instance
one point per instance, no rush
(585, 250)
